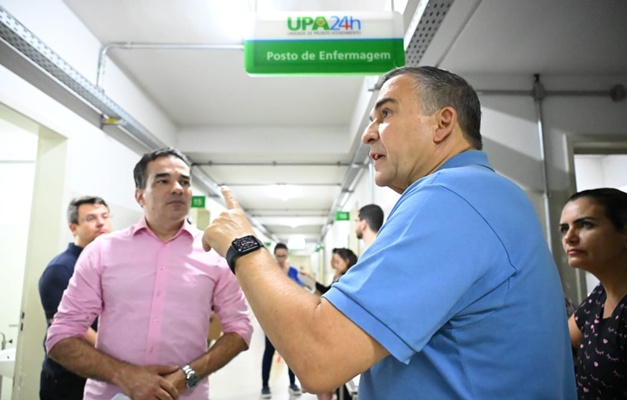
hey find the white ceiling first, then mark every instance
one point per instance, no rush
(549, 37)
(243, 124)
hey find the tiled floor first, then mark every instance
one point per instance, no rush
(241, 378)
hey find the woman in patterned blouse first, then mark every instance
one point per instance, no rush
(594, 229)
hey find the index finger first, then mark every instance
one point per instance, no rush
(229, 198)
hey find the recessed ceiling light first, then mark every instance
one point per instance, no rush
(296, 242)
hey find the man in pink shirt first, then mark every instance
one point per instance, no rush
(153, 287)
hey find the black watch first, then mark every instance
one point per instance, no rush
(191, 377)
(241, 246)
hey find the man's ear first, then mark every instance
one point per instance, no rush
(73, 227)
(446, 119)
(139, 196)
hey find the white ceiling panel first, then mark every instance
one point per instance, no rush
(226, 116)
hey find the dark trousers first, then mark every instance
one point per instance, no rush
(266, 364)
(346, 393)
(66, 386)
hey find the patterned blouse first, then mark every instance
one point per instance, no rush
(602, 354)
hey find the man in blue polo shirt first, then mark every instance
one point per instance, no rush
(88, 218)
(458, 298)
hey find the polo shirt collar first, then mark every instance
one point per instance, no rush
(468, 157)
(143, 225)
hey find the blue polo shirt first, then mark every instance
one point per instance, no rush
(461, 289)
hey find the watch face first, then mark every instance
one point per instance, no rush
(191, 377)
(241, 246)
(193, 381)
(245, 244)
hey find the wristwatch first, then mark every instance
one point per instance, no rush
(191, 377)
(241, 246)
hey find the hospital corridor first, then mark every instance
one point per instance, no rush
(241, 378)
(411, 191)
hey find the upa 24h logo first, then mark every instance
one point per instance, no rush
(333, 23)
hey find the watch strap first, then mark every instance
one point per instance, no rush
(231, 256)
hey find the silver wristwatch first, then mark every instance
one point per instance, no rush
(191, 377)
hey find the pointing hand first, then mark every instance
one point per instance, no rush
(229, 225)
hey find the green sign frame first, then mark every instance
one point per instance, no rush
(368, 56)
(342, 216)
(198, 201)
(319, 43)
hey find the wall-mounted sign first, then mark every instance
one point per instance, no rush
(324, 43)
(342, 216)
(198, 201)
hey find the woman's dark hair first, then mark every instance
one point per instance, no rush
(613, 201)
(347, 255)
(280, 246)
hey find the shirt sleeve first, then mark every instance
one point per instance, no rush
(230, 305)
(52, 283)
(434, 257)
(82, 301)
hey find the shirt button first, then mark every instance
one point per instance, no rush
(152, 349)
(161, 268)
(158, 293)
(156, 319)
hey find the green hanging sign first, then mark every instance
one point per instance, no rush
(325, 43)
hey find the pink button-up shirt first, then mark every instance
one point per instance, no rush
(154, 300)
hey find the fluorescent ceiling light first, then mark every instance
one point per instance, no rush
(296, 242)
